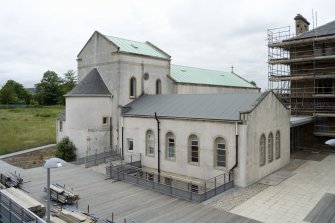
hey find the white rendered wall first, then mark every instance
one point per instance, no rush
(207, 132)
(116, 69)
(84, 123)
(269, 116)
(60, 134)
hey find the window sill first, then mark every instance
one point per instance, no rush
(150, 155)
(224, 168)
(170, 159)
(194, 163)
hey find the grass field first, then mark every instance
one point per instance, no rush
(22, 128)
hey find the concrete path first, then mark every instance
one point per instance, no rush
(26, 151)
(293, 199)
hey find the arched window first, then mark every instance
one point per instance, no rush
(220, 152)
(262, 150)
(270, 147)
(150, 143)
(277, 144)
(158, 86)
(193, 149)
(170, 146)
(132, 87)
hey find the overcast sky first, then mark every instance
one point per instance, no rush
(40, 35)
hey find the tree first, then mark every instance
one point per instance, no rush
(48, 91)
(70, 80)
(66, 149)
(68, 83)
(13, 92)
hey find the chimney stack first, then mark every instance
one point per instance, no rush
(301, 24)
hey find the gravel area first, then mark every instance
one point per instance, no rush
(237, 195)
(31, 159)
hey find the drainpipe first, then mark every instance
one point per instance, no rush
(159, 151)
(122, 143)
(236, 151)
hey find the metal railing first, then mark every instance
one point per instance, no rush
(192, 190)
(99, 158)
(12, 212)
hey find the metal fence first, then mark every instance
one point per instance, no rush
(12, 212)
(99, 158)
(196, 190)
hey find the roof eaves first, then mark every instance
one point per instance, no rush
(98, 33)
(181, 118)
(169, 76)
(109, 40)
(86, 43)
(88, 95)
(158, 49)
(61, 116)
(257, 102)
(245, 80)
(142, 55)
(214, 85)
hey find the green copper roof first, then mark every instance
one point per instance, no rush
(130, 46)
(183, 74)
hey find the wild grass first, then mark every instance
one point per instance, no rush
(22, 128)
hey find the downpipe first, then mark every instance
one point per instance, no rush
(158, 147)
(231, 171)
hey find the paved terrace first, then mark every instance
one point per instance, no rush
(125, 200)
(308, 196)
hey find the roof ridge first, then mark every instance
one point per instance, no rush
(121, 38)
(202, 68)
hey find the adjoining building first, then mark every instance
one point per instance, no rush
(302, 73)
(211, 122)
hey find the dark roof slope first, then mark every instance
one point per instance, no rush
(61, 116)
(194, 106)
(91, 85)
(325, 30)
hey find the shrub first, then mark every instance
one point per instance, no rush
(66, 149)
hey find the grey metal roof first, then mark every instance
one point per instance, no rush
(194, 106)
(91, 85)
(324, 30)
(61, 116)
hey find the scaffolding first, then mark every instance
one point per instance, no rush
(301, 71)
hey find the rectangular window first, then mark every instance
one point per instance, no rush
(221, 155)
(150, 143)
(194, 151)
(171, 153)
(104, 120)
(60, 126)
(130, 144)
(220, 152)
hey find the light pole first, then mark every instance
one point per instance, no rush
(51, 163)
